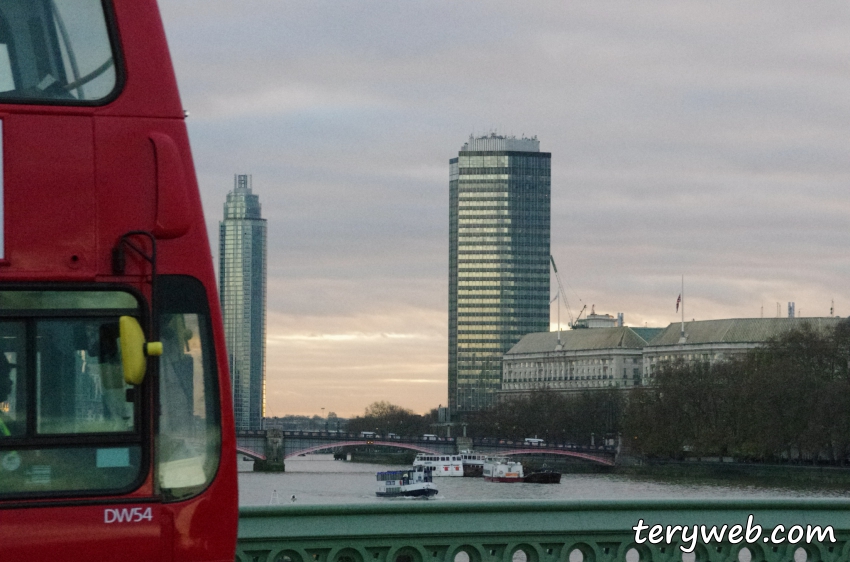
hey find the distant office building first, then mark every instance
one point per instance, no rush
(242, 289)
(499, 214)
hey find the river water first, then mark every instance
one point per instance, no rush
(318, 479)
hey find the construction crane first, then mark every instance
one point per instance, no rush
(573, 323)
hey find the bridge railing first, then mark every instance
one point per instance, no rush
(508, 443)
(376, 437)
(534, 531)
(490, 442)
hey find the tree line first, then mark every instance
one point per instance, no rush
(383, 417)
(788, 400)
(577, 418)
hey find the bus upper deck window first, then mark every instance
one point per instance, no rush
(55, 51)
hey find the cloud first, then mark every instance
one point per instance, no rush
(705, 139)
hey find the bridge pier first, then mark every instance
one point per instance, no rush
(274, 452)
(463, 444)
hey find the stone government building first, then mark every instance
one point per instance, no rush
(624, 357)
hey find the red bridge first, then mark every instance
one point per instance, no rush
(255, 445)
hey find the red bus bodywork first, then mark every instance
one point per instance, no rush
(76, 178)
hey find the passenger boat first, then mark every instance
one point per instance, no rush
(406, 483)
(544, 476)
(443, 465)
(502, 470)
(473, 463)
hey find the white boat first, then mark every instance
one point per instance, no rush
(473, 463)
(443, 465)
(500, 469)
(408, 483)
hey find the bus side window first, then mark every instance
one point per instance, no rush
(189, 437)
(177, 366)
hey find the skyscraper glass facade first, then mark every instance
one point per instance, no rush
(499, 215)
(242, 289)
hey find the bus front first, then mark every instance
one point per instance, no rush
(116, 430)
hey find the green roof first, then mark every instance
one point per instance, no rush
(580, 340)
(735, 330)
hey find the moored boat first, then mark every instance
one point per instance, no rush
(502, 470)
(442, 465)
(415, 482)
(544, 476)
(473, 463)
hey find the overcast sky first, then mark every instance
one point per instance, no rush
(700, 138)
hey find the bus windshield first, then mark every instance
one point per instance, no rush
(68, 421)
(55, 51)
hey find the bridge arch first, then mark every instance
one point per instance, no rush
(361, 443)
(249, 453)
(576, 454)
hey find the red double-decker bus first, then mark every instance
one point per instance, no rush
(116, 430)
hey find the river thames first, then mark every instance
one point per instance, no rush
(318, 479)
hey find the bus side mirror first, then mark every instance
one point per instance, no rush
(134, 349)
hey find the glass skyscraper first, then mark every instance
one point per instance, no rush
(499, 215)
(242, 289)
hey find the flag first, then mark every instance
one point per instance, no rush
(678, 301)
